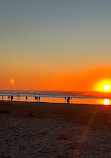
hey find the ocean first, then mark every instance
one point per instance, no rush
(77, 97)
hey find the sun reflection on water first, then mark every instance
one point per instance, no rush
(106, 101)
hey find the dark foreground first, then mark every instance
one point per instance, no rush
(46, 130)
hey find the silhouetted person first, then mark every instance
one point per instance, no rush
(11, 97)
(68, 99)
(36, 98)
(65, 99)
(26, 98)
(2, 97)
(39, 98)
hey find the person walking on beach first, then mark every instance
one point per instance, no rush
(68, 99)
(26, 98)
(65, 99)
(11, 97)
(36, 98)
(8, 97)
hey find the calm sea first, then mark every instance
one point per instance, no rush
(57, 96)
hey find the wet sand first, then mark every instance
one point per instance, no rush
(50, 130)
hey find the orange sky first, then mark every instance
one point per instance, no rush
(55, 45)
(70, 81)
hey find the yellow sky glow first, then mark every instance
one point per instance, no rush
(103, 85)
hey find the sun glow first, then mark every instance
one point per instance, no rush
(103, 86)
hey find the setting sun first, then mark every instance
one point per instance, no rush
(107, 87)
(103, 85)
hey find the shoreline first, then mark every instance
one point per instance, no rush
(71, 103)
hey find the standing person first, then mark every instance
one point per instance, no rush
(36, 98)
(65, 99)
(2, 97)
(39, 98)
(26, 98)
(11, 97)
(68, 100)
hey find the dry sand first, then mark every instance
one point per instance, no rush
(47, 130)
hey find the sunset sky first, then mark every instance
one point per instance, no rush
(55, 44)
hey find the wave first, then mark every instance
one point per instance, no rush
(57, 94)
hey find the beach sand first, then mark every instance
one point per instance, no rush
(50, 130)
